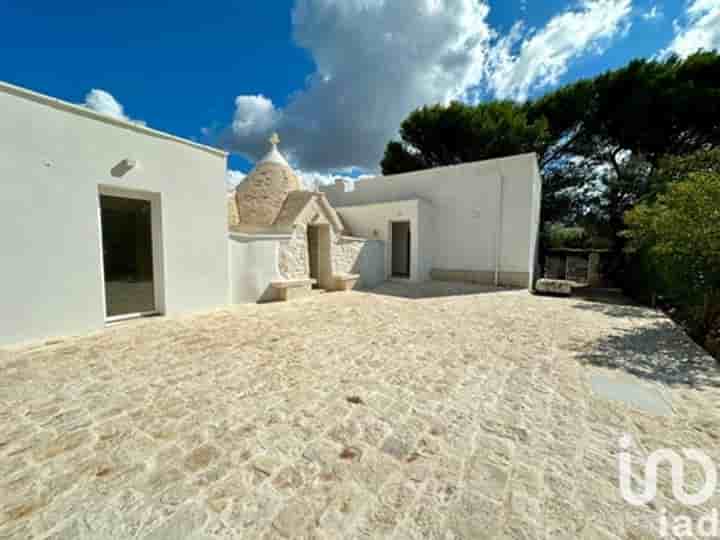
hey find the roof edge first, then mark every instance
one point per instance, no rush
(381, 203)
(80, 110)
(468, 164)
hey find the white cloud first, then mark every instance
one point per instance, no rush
(653, 13)
(254, 114)
(309, 179)
(701, 31)
(543, 57)
(313, 179)
(105, 103)
(377, 60)
(233, 178)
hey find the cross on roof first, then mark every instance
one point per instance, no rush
(274, 139)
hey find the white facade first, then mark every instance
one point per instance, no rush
(55, 160)
(474, 222)
(375, 220)
(254, 265)
(59, 162)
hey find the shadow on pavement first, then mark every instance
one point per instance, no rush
(659, 352)
(434, 289)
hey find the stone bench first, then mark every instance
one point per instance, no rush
(556, 287)
(345, 282)
(288, 289)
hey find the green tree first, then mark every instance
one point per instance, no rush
(675, 168)
(622, 123)
(599, 141)
(648, 109)
(680, 235)
(440, 135)
(399, 159)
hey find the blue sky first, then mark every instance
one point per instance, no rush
(334, 77)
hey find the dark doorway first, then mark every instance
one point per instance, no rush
(127, 255)
(313, 254)
(401, 249)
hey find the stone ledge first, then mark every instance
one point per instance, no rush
(290, 289)
(558, 287)
(345, 282)
(292, 283)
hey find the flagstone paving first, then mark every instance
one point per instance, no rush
(436, 411)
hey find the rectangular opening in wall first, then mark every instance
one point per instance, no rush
(400, 249)
(313, 254)
(127, 245)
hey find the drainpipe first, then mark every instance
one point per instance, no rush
(498, 229)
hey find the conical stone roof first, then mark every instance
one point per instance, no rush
(261, 195)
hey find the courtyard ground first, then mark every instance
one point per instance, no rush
(434, 411)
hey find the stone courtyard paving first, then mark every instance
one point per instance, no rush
(441, 411)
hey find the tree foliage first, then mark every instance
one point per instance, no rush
(599, 141)
(675, 168)
(680, 234)
(440, 135)
(649, 108)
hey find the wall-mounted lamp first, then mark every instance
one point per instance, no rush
(124, 167)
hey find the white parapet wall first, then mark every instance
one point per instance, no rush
(55, 160)
(254, 265)
(473, 222)
(362, 257)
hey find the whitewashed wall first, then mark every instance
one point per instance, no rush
(463, 225)
(53, 158)
(254, 264)
(374, 221)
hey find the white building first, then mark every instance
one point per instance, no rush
(63, 169)
(103, 219)
(474, 222)
(286, 240)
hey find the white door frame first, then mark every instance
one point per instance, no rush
(158, 262)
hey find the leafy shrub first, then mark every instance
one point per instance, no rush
(560, 236)
(676, 240)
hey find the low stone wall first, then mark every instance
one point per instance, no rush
(349, 255)
(580, 266)
(285, 290)
(346, 254)
(294, 256)
(557, 287)
(360, 256)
